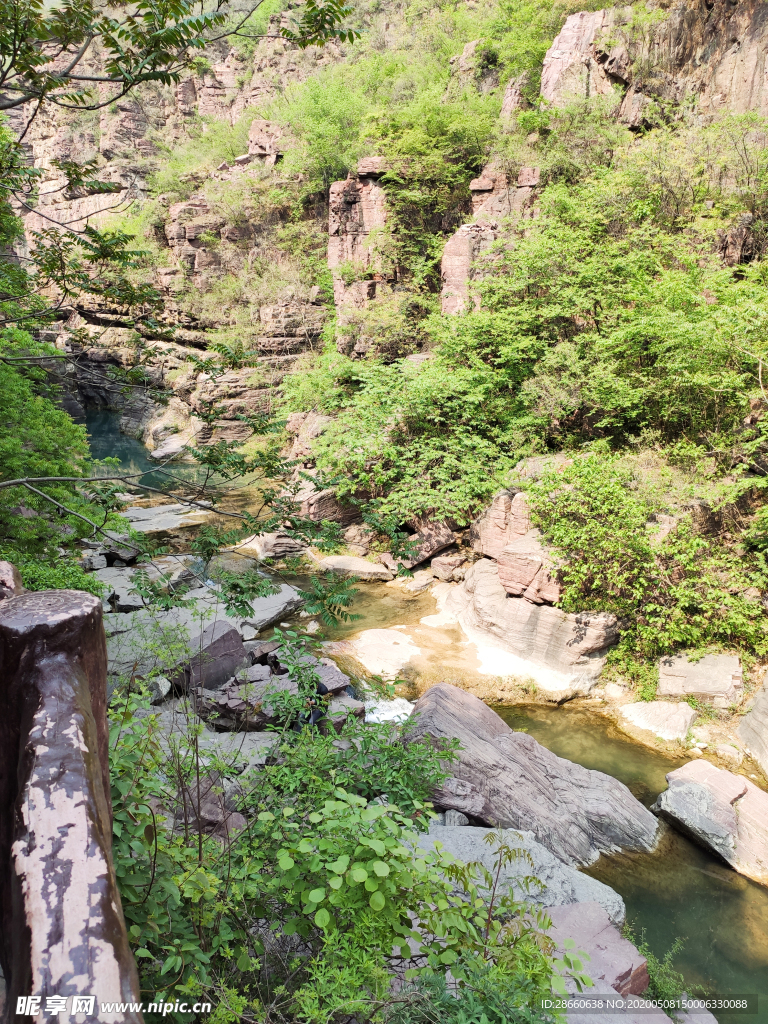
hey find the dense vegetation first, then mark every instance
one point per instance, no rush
(607, 331)
(308, 912)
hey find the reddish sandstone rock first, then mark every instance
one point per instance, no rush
(526, 569)
(507, 519)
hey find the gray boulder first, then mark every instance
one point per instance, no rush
(753, 729)
(506, 778)
(716, 678)
(219, 653)
(558, 883)
(724, 812)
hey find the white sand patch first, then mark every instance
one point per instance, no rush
(384, 652)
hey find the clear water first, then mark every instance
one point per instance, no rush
(106, 441)
(679, 890)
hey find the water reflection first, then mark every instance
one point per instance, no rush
(106, 441)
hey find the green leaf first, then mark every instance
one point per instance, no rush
(317, 895)
(381, 869)
(358, 874)
(143, 952)
(377, 902)
(322, 918)
(286, 862)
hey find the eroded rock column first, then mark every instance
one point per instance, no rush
(63, 932)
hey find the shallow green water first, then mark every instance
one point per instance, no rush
(106, 441)
(679, 890)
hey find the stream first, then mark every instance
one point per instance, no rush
(679, 890)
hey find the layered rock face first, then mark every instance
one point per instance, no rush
(63, 932)
(507, 598)
(711, 52)
(357, 211)
(506, 778)
(494, 198)
(570, 648)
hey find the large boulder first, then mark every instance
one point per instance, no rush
(218, 654)
(526, 570)
(556, 884)
(724, 812)
(614, 962)
(563, 652)
(507, 519)
(506, 778)
(716, 678)
(658, 717)
(753, 729)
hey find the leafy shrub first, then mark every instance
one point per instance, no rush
(684, 592)
(59, 575)
(304, 913)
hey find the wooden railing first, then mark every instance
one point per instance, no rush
(61, 921)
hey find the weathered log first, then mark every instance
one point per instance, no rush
(63, 932)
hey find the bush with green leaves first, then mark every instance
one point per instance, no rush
(306, 912)
(686, 590)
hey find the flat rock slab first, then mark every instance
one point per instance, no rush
(753, 729)
(397, 710)
(137, 638)
(559, 883)
(384, 652)
(716, 678)
(564, 653)
(613, 960)
(666, 720)
(352, 565)
(724, 812)
(163, 518)
(241, 751)
(506, 778)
